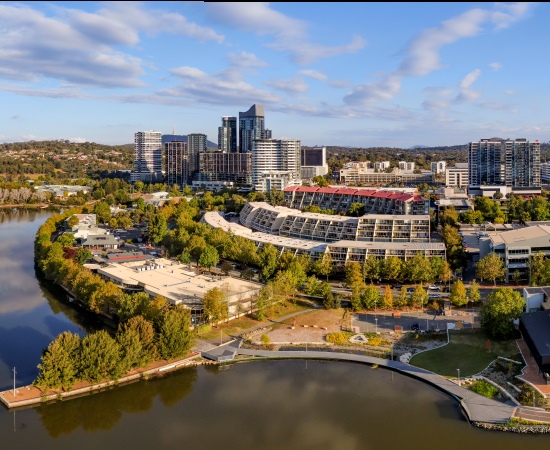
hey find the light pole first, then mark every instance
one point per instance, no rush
(376, 321)
(14, 372)
(458, 370)
(221, 337)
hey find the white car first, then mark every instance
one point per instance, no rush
(433, 287)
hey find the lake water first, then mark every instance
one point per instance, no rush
(267, 405)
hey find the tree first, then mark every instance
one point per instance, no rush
(83, 255)
(58, 368)
(536, 269)
(152, 310)
(226, 267)
(329, 300)
(516, 276)
(419, 297)
(491, 267)
(102, 212)
(215, 305)
(498, 312)
(392, 268)
(320, 181)
(356, 209)
(157, 227)
(130, 350)
(175, 338)
(354, 276)
(73, 221)
(473, 292)
(370, 297)
(146, 334)
(323, 266)
(268, 261)
(209, 257)
(99, 356)
(66, 239)
(387, 298)
(419, 269)
(402, 299)
(130, 305)
(371, 268)
(275, 197)
(458, 295)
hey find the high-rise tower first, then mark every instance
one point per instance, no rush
(227, 135)
(251, 127)
(147, 156)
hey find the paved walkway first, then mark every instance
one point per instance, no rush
(531, 372)
(477, 407)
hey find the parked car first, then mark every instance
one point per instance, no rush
(410, 290)
(415, 327)
(433, 287)
(434, 295)
(396, 286)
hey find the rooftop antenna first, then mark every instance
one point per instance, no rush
(174, 129)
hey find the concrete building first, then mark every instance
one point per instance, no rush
(517, 246)
(545, 172)
(177, 163)
(504, 165)
(382, 165)
(275, 164)
(376, 201)
(313, 162)
(232, 167)
(438, 166)
(260, 216)
(252, 127)
(457, 176)
(358, 173)
(179, 284)
(227, 135)
(537, 299)
(147, 157)
(404, 165)
(457, 198)
(342, 251)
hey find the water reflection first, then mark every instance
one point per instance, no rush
(103, 411)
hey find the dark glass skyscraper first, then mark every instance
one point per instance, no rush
(227, 135)
(251, 127)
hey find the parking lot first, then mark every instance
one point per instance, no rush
(428, 320)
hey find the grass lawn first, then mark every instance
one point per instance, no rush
(469, 350)
(237, 326)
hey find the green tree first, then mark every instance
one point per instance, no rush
(267, 258)
(537, 269)
(209, 257)
(498, 312)
(387, 298)
(402, 299)
(130, 305)
(226, 267)
(370, 297)
(392, 268)
(66, 239)
(329, 300)
(458, 295)
(473, 292)
(73, 221)
(419, 297)
(323, 266)
(157, 228)
(102, 212)
(58, 368)
(130, 350)
(320, 181)
(215, 305)
(146, 334)
(275, 197)
(490, 267)
(356, 209)
(419, 269)
(175, 338)
(83, 255)
(99, 356)
(371, 268)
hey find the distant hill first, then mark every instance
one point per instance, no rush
(178, 137)
(414, 147)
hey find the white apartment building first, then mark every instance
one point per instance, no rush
(457, 176)
(438, 166)
(147, 156)
(382, 165)
(275, 164)
(404, 165)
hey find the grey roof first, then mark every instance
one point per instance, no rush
(537, 325)
(105, 239)
(538, 290)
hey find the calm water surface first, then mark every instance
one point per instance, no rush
(267, 405)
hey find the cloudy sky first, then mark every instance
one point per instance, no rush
(351, 74)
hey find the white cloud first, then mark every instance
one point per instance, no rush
(78, 140)
(467, 94)
(289, 34)
(79, 47)
(509, 92)
(495, 66)
(293, 86)
(496, 106)
(422, 56)
(315, 74)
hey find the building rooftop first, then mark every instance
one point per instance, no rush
(176, 282)
(537, 325)
(519, 235)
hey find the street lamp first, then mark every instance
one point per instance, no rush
(376, 321)
(458, 370)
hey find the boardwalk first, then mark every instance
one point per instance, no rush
(476, 407)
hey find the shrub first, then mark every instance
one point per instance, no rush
(265, 340)
(484, 388)
(375, 341)
(340, 338)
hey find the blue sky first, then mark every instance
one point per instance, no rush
(351, 74)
